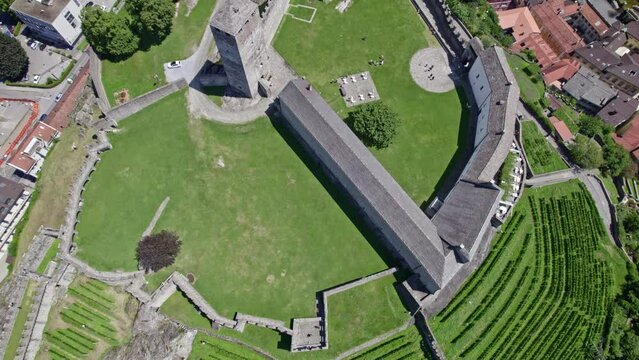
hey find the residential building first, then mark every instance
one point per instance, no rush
(562, 129)
(559, 73)
(518, 22)
(33, 149)
(590, 92)
(619, 110)
(501, 4)
(629, 138)
(551, 16)
(13, 203)
(54, 21)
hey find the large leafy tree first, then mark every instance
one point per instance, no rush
(4, 5)
(152, 18)
(13, 59)
(375, 123)
(108, 33)
(159, 250)
(586, 153)
(616, 158)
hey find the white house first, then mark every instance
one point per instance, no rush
(55, 21)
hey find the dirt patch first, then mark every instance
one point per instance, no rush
(121, 96)
(191, 278)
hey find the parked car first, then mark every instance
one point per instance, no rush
(58, 97)
(43, 46)
(43, 117)
(25, 78)
(36, 79)
(174, 64)
(35, 44)
(30, 43)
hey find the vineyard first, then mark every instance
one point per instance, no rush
(206, 347)
(541, 155)
(88, 321)
(544, 290)
(407, 345)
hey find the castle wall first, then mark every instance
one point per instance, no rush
(273, 17)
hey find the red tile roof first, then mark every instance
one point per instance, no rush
(593, 19)
(42, 132)
(562, 130)
(629, 140)
(563, 70)
(520, 20)
(550, 16)
(545, 55)
(22, 162)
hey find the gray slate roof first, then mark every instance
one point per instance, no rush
(356, 167)
(492, 151)
(605, 10)
(619, 110)
(230, 15)
(585, 85)
(38, 10)
(598, 55)
(465, 211)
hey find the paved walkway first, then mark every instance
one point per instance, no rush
(552, 178)
(430, 69)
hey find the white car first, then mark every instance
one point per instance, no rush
(36, 79)
(174, 64)
(58, 97)
(34, 44)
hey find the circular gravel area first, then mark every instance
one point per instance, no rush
(431, 71)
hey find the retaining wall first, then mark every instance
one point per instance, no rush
(125, 110)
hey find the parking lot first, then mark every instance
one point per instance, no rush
(12, 114)
(45, 63)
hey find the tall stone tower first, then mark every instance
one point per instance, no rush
(239, 37)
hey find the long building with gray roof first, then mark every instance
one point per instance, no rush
(434, 250)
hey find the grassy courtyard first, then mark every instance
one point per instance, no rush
(544, 290)
(432, 125)
(542, 157)
(137, 72)
(252, 216)
(528, 78)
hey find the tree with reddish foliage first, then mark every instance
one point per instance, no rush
(157, 251)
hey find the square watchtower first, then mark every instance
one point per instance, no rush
(239, 37)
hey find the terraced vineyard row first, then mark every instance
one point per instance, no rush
(407, 345)
(87, 323)
(545, 288)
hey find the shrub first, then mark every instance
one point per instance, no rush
(586, 152)
(375, 123)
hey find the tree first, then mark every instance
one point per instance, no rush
(375, 123)
(153, 18)
(586, 153)
(616, 158)
(4, 5)
(13, 59)
(631, 222)
(157, 251)
(108, 33)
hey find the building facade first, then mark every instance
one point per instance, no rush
(54, 21)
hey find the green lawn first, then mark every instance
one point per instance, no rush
(407, 344)
(254, 232)
(21, 320)
(544, 290)
(208, 347)
(528, 78)
(543, 158)
(332, 46)
(49, 256)
(611, 188)
(137, 72)
(569, 116)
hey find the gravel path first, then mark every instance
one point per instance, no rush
(431, 70)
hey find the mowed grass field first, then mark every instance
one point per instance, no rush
(137, 73)
(433, 126)
(261, 234)
(90, 319)
(542, 157)
(544, 290)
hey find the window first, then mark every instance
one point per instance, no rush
(70, 19)
(77, 2)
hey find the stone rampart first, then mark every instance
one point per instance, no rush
(127, 109)
(272, 17)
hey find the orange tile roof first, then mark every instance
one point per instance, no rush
(554, 119)
(44, 132)
(22, 162)
(520, 20)
(545, 55)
